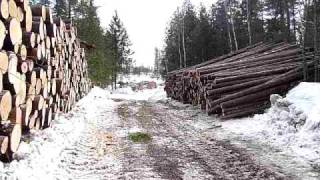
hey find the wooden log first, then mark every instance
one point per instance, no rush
(37, 103)
(53, 87)
(14, 131)
(38, 86)
(32, 120)
(38, 27)
(4, 144)
(15, 32)
(243, 112)
(26, 110)
(22, 52)
(37, 124)
(31, 92)
(49, 17)
(15, 116)
(31, 78)
(285, 78)
(4, 62)
(48, 117)
(13, 9)
(2, 33)
(238, 86)
(23, 3)
(256, 104)
(39, 10)
(34, 53)
(4, 9)
(27, 21)
(29, 39)
(5, 104)
(23, 66)
(20, 14)
(30, 65)
(253, 75)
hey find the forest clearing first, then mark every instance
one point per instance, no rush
(171, 89)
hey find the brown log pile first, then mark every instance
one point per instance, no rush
(43, 70)
(239, 84)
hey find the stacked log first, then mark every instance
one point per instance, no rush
(43, 70)
(239, 84)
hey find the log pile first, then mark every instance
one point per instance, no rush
(43, 70)
(240, 83)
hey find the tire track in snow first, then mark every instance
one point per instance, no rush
(95, 155)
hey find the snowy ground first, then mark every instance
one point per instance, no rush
(92, 141)
(289, 131)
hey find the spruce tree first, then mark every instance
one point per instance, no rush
(121, 47)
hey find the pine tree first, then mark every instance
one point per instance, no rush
(190, 21)
(120, 46)
(60, 8)
(203, 36)
(89, 30)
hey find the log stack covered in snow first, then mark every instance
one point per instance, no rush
(43, 70)
(240, 83)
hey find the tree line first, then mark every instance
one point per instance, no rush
(111, 54)
(197, 34)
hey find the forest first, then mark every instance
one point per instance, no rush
(108, 48)
(197, 34)
(194, 34)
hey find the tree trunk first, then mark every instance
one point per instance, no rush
(249, 21)
(233, 29)
(228, 28)
(294, 22)
(288, 21)
(184, 44)
(179, 40)
(305, 16)
(315, 38)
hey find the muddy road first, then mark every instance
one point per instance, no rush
(178, 147)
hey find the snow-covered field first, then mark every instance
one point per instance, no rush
(291, 126)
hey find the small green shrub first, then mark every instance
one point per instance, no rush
(139, 137)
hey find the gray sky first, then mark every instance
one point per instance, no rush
(145, 21)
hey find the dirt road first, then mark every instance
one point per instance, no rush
(180, 147)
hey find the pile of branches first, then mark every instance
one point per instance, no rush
(43, 70)
(240, 83)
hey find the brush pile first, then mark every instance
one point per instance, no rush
(43, 70)
(240, 83)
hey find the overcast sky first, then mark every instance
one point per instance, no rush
(145, 21)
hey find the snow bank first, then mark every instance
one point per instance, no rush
(39, 156)
(291, 124)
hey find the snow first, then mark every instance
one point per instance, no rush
(40, 155)
(292, 124)
(151, 95)
(39, 158)
(140, 78)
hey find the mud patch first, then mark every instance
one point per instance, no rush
(123, 111)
